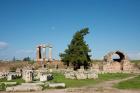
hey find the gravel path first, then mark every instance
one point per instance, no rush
(104, 87)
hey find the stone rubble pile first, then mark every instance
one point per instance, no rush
(81, 74)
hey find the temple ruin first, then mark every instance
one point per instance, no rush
(41, 57)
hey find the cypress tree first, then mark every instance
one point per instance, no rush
(77, 53)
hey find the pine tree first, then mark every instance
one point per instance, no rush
(77, 52)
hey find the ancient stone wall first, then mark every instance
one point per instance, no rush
(116, 65)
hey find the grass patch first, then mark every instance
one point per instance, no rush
(135, 61)
(113, 76)
(3, 80)
(129, 84)
(60, 78)
(3, 86)
(19, 81)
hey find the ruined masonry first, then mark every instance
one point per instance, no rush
(27, 75)
(41, 54)
(116, 64)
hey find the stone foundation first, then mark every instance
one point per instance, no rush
(81, 74)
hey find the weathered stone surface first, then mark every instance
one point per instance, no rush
(70, 75)
(110, 67)
(41, 71)
(116, 65)
(41, 54)
(57, 85)
(32, 84)
(95, 67)
(92, 75)
(46, 77)
(81, 69)
(27, 75)
(50, 70)
(13, 75)
(9, 77)
(127, 66)
(81, 74)
(24, 88)
(43, 77)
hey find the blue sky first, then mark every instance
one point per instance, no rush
(113, 25)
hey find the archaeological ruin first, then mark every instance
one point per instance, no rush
(117, 64)
(113, 62)
(80, 74)
(41, 57)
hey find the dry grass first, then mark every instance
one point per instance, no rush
(7, 66)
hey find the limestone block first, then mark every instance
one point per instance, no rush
(81, 76)
(57, 85)
(9, 77)
(32, 84)
(70, 75)
(92, 76)
(43, 78)
(81, 69)
(24, 88)
(50, 70)
(27, 75)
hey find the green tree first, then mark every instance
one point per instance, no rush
(27, 59)
(77, 53)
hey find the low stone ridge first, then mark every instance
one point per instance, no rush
(81, 74)
(24, 88)
(57, 85)
(33, 84)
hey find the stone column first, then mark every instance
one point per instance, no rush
(44, 53)
(37, 54)
(40, 54)
(50, 53)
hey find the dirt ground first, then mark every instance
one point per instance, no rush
(104, 87)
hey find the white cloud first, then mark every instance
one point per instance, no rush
(3, 45)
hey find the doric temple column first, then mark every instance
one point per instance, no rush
(40, 54)
(41, 57)
(44, 53)
(50, 53)
(37, 54)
